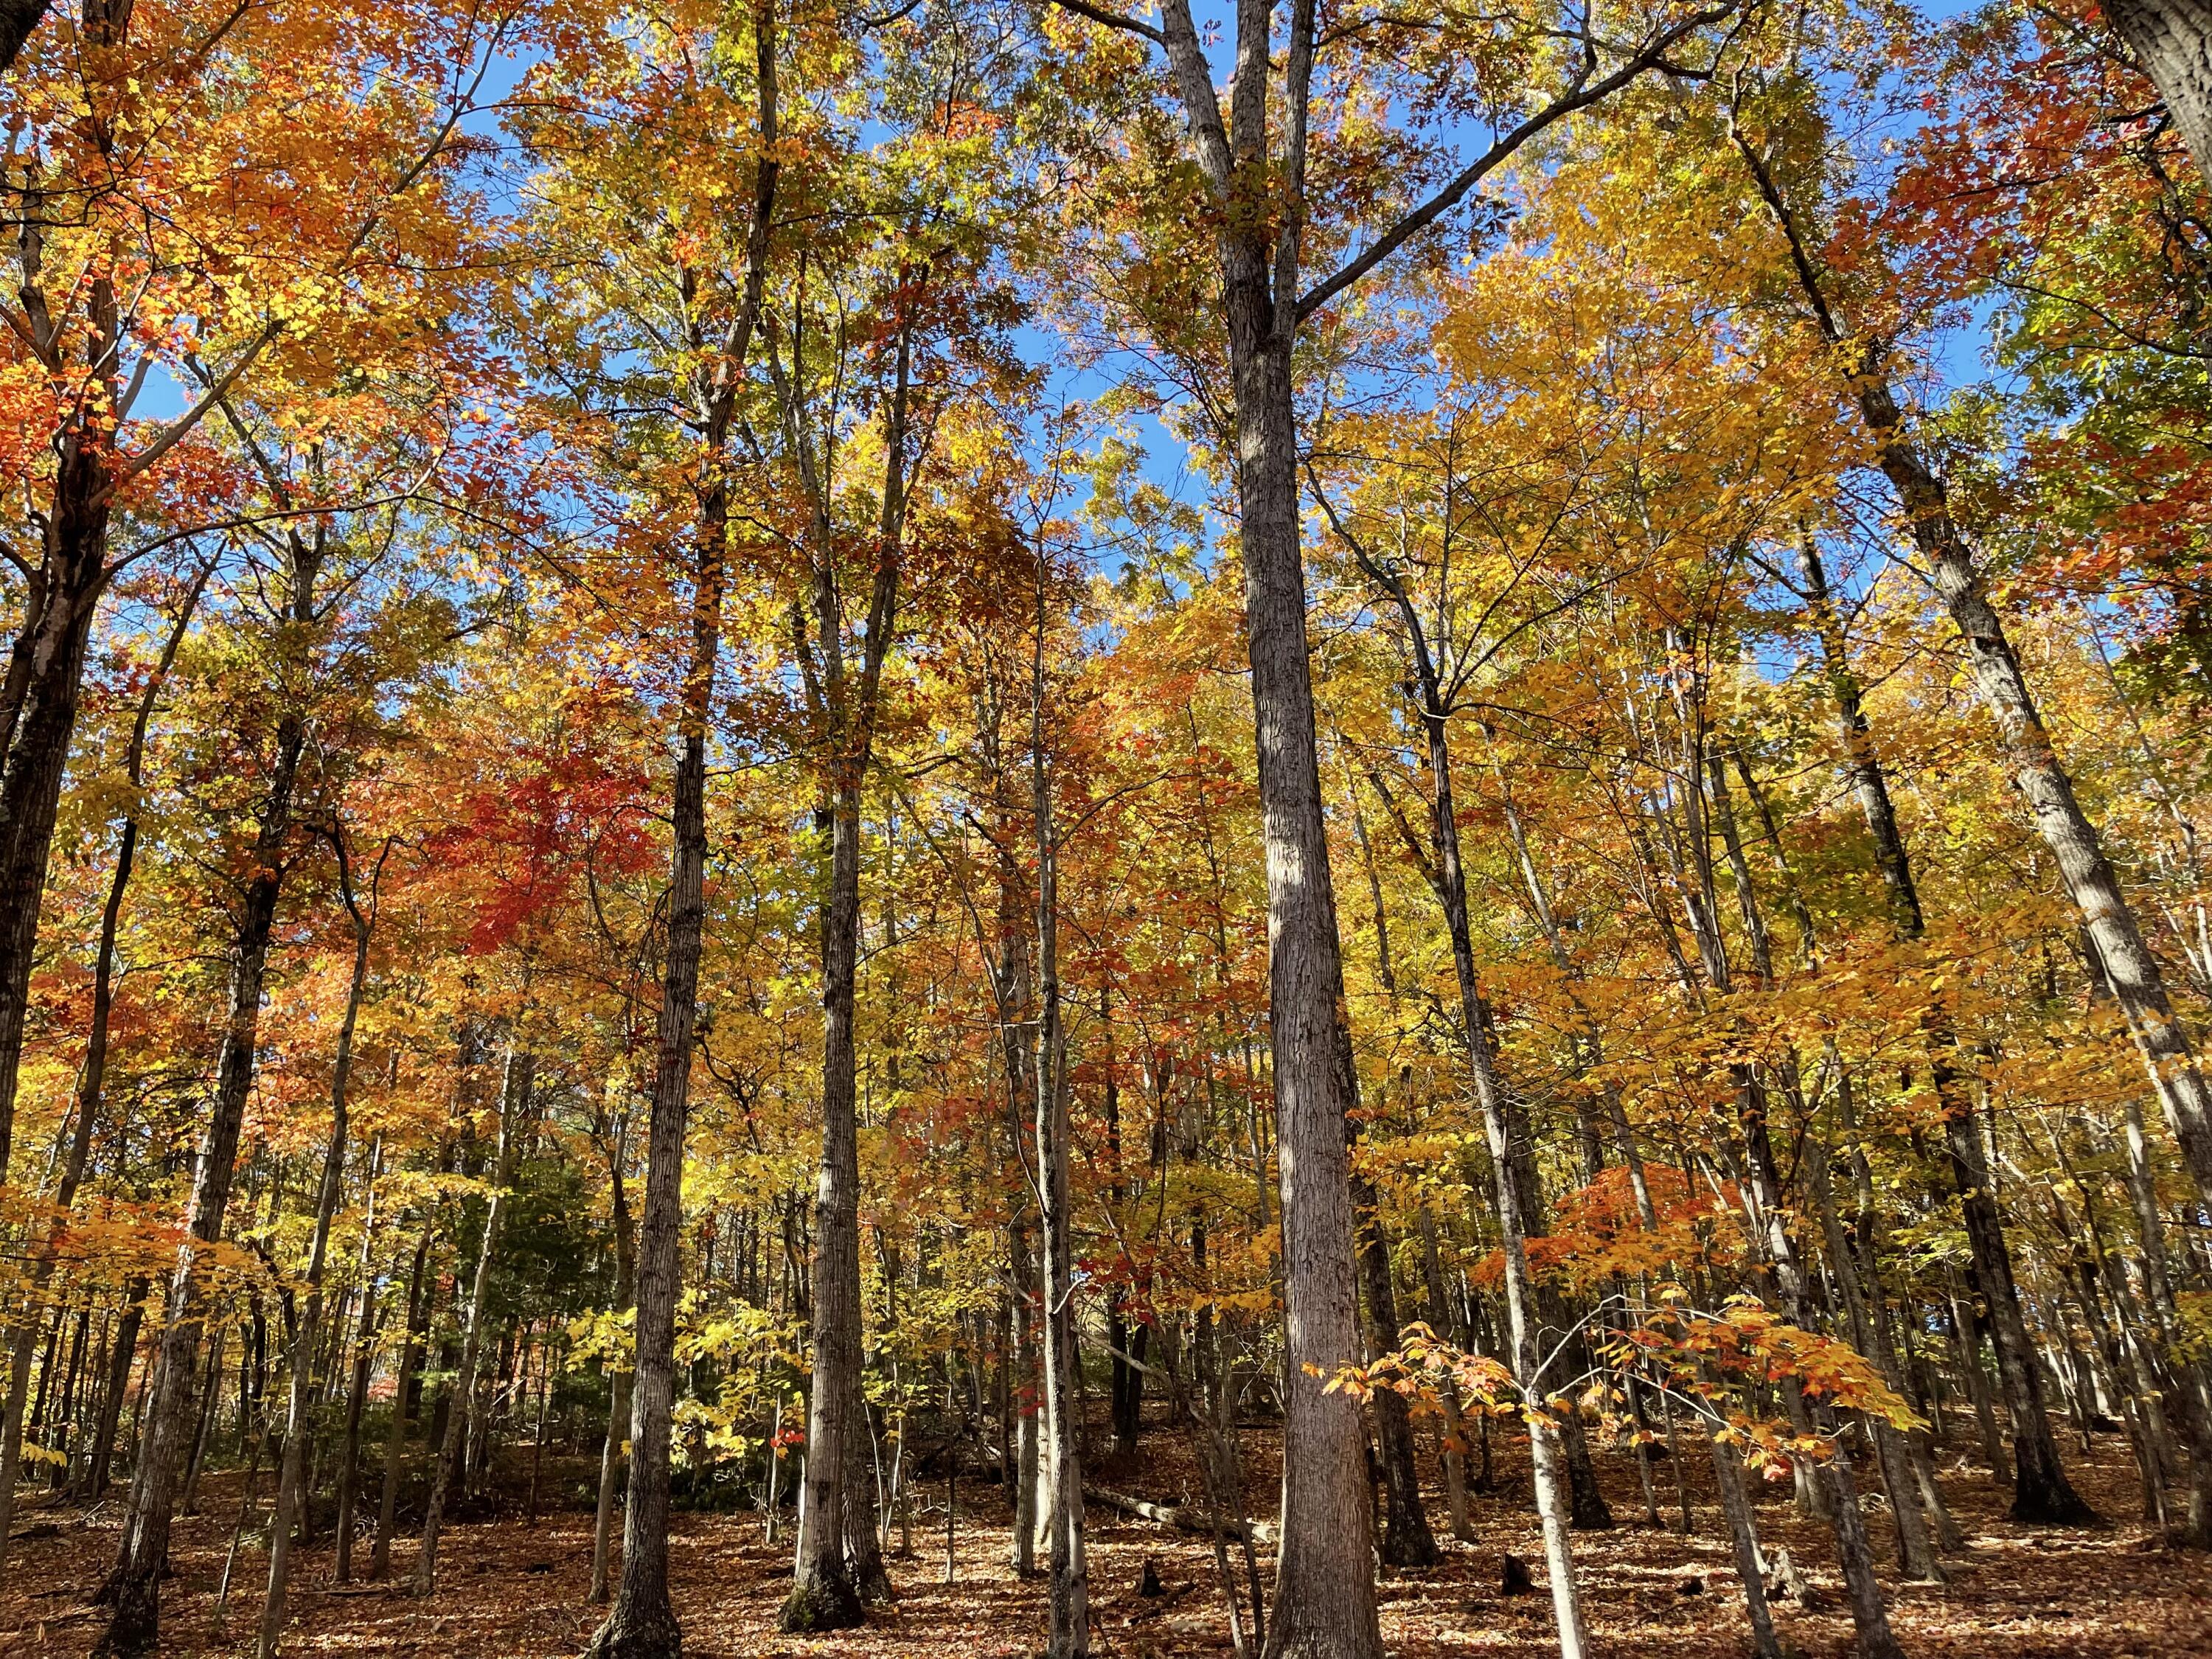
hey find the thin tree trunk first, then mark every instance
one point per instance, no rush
(119, 1379)
(2041, 1491)
(1407, 1539)
(2109, 920)
(1069, 1634)
(460, 1398)
(1511, 1158)
(611, 1461)
(298, 1416)
(395, 1439)
(1743, 1538)
(133, 1626)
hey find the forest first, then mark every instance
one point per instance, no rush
(983, 827)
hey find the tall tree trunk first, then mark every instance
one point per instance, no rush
(618, 1401)
(1070, 1617)
(1504, 1127)
(2041, 1491)
(91, 1081)
(395, 1439)
(642, 1624)
(364, 1357)
(2108, 918)
(133, 1626)
(298, 1422)
(1125, 1344)
(826, 1592)
(1325, 1589)
(823, 1595)
(460, 1397)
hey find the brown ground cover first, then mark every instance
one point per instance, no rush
(513, 1588)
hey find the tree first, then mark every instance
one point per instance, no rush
(1255, 152)
(2173, 41)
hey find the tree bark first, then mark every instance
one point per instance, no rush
(18, 19)
(642, 1624)
(119, 1379)
(827, 1588)
(2172, 40)
(38, 718)
(1870, 1618)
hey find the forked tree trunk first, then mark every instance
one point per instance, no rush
(1504, 1127)
(839, 1565)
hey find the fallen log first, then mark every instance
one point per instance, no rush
(1185, 1517)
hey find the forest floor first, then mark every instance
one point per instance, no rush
(516, 1589)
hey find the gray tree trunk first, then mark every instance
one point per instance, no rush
(611, 1463)
(2173, 41)
(1504, 1127)
(2108, 918)
(395, 1439)
(1069, 1636)
(839, 1563)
